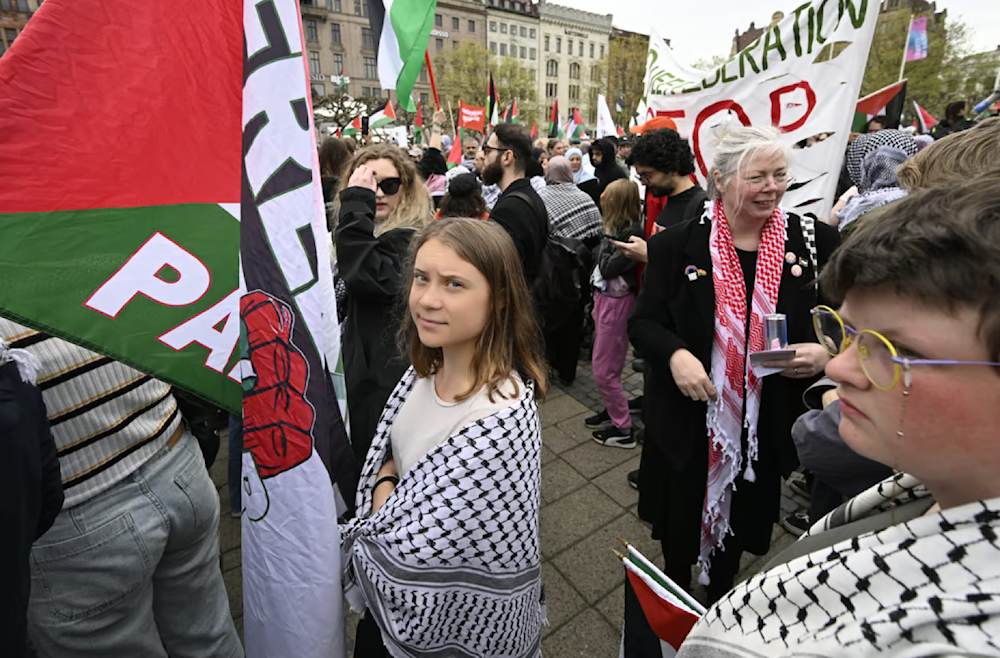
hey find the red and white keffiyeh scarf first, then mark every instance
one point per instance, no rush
(731, 371)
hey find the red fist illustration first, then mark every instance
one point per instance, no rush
(277, 418)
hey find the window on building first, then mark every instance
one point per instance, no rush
(569, 46)
(574, 92)
(595, 74)
(546, 43)
(371, 68)
(438, 20)
(454, 45)
(580, 50)
(423, 98)
(513, 30)
(532, 54)
(329, 5)
(532, 33)
(506, 4)
(423, 73)
(558, 44)
(366, 38)
(312, 32)
(318, 89)
(3, 48)
(493, 47)
(552, 67)
(503, 28)
(472, 26)
(338, 63)
(335, 32)
(314, 64)
(591, 48)
(454, 23)
(357, 7)
(574, 71)
(337, 7)
(524, 31)
(524, 52)
(503, 49)
(551, 89)
(438, 45)
(493, 26)
(602, 52)
(366, 92)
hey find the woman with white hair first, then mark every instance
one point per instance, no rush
(718, 441)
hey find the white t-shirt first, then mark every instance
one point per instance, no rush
(426, 421)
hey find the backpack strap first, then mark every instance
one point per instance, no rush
(542, 212)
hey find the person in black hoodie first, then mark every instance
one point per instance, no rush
(382, 207)
(602, 155)
(31, 493)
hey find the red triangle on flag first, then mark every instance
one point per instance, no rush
(874, 103)
(71, 79)
(670, 622)
(455, 156)
(389, 112)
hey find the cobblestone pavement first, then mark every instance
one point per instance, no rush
(586, 504)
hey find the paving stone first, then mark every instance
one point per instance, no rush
(573, 517)
(592, 459)
(560, 409)
(612, 608)
(229, 532)
(591, 566)
(562, 602)
(547, 454)
(232, 559)
(586, 636)
(553, 393)
(234, 587)
(238, 621)
(615, 484)
(559, 479)
(557, 441)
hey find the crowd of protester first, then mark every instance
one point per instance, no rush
(447, 280)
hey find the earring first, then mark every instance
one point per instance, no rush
(902, 412)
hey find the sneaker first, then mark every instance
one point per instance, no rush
(797, 485)
(598, 421)
(235, 513)
(797, 523)
(615, 437)
(633, 479)
(635, 405)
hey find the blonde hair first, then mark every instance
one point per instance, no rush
(954, 159)
(415, 208)
(737, 147)
(511, 340)
(620, 205)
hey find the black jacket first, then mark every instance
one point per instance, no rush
(372, 269)
(673, 312)
(613, 262)
(31, 496)
(608, 171)
(526, 223)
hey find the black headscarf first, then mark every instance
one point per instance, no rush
(608, 171)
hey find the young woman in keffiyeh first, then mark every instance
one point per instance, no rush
(717, 440)
(444, 552)
(910, 567)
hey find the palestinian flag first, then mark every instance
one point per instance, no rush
(401, 30)
(619, 129)
(575, 127)
(455, 155)
(534, 131)
(492, 106)
(354, 127)
(554, 120)
(384, 115)
(926, 119)
(510, 114)
(169, 248)
(418, 125)
(887, 101)
(658, 613)
(620, 103)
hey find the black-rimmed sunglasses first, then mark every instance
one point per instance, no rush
(390, 185)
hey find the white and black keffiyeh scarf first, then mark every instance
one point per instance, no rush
(926, 587)
(451, 564)
(871, 163)
(572, 213)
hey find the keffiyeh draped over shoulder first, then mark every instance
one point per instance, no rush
(451, 564)
(871, 163)
(929, 586)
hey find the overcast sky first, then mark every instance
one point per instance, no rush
(703, 29)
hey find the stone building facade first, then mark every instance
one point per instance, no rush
(14, 15)
(513, 31)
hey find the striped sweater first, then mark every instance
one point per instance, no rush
(107, 419)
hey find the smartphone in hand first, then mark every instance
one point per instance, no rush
(364, 126)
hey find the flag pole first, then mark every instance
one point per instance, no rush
(430, 73)
(451, 114)
(906, 49)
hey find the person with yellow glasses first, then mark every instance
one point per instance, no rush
(911, 566)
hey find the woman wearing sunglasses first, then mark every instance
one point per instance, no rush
(382, 206)
(910, 567)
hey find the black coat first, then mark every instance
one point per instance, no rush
(521, 212)
(673, 312)
(31, 496)
(372, 269)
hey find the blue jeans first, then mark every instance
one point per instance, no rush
(134, 571)
(235, 463)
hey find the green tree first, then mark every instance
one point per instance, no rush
(463, 74)
(945, 75)
(709, 64)
(626, 67)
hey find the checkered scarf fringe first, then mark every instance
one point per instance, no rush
(732, 375)
(451, 564)
(927, 587)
